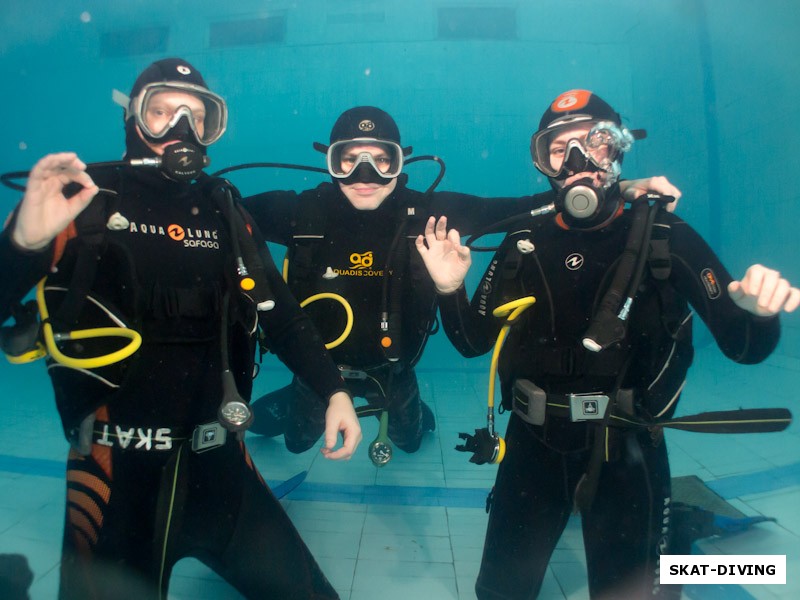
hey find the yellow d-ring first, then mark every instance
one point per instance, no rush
(347, 309)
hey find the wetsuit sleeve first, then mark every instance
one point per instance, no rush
(273, 212)
(470, 326)
(469, 214)
(19, 270)
(700, 277)
(292, 336)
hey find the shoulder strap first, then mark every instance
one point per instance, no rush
(89, 225)
(659, 259)
(660, 263)
(311, 219)
(89, 228)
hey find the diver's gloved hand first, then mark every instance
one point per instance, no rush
(483, 445)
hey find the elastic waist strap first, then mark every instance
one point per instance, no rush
(534, 405)
(155, 439)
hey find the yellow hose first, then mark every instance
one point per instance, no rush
(325, 296)
(511, 310)
(51, 338)
(347, 309)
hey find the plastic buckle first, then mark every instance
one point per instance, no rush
(208, 436)
(587, 407)
(348, 373)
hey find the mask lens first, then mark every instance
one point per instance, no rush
(160, 107)
(608, 141)
(556, 150)
(344, 157)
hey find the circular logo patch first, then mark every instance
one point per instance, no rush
(571, 100)
(183, 69)
(567, 102)
(574, 261)
(176, 232)
(366, 125)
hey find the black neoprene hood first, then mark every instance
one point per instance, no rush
(168, 69)
(365, 122)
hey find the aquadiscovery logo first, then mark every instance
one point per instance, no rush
(360, 266)
(189, 237)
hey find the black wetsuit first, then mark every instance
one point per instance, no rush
(325, 233)
(627, 525)
(140, 498)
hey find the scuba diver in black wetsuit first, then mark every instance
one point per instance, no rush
(587, 381)
(343, 237)
(158, 470)
(340, 238)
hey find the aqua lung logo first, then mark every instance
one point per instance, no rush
(574, 261)
(183, 69)
(663, 544)
(567, 102)
(366, 125)
(176, 232)
(189, 237)
(571, 100)
(486, 289)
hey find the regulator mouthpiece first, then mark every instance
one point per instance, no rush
(486, 447)
(181, 161)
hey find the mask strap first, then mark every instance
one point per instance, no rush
(122, 100)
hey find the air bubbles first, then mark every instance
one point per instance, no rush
(23, 146)
(367, 72)
(484, 154)
(86, 16)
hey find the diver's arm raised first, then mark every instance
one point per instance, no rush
(446, 259)
(448, 262)
(45, 211)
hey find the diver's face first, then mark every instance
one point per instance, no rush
(366, 196)
(160, 111)
(558, 150)
(380, 155)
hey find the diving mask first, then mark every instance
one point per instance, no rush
(160, 107)
(346, 157)
(581, 146)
